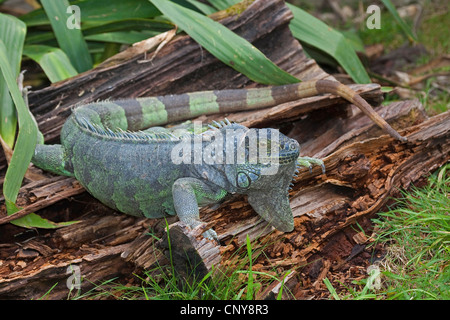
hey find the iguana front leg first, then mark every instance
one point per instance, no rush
(188, 195)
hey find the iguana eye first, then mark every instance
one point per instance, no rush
(243, 180)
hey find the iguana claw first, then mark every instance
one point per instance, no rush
(309, 162)
(208, 234)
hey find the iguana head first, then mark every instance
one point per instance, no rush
(265, 162)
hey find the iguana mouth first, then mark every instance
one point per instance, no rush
(290, 152)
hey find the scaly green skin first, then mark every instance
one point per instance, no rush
(138, 172)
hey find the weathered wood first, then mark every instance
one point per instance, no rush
(97, 265)
(95, 246)
(44, 193)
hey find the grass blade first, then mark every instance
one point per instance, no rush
(331, 289)
(70, 40)
(407, 30)
(316, 33)
(250, 271)
(53, 61)
(225, 45)
(12, 33)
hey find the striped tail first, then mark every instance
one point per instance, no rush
(337, 88)
(189, 105)
(142, 113)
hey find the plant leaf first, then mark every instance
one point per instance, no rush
(53, 61)
(125, 37)
(223, 4)
(32, 220)
(204, 8)
(26, 139)
(12, 33)
(93, 12)
(23, 151)
(316, 33)
(99, 31)
(70, 40)
(130, 24)
(225, 45)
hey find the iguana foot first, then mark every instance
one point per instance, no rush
(211, 235)
(309, 162)
(208, 234)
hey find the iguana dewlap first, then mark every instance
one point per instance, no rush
(151, 173)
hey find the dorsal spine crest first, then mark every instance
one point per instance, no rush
(120, 134)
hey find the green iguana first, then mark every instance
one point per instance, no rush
(153, 172)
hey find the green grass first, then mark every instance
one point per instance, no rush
(238, 282)
(432, 32)
(416, 238)
(390, 34)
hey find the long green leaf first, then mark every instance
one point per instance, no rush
(225, 45)
(223, 4)
(97, 12)
(33, 220)
(98, 31)
(12, 33)
(130, 24)
(204, 8)
(408, 32)
(53, 61)
(71, 39)
(26, 139)
(125, 37)
(316, 33)
(23, 151)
